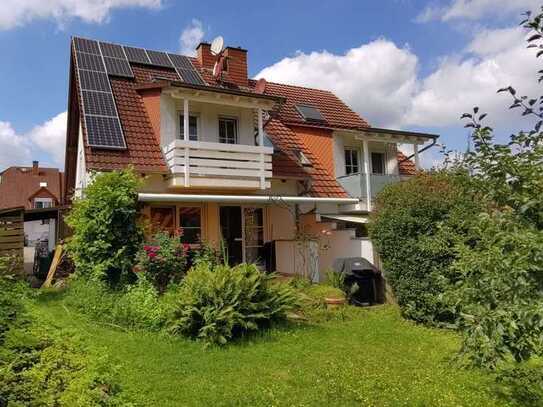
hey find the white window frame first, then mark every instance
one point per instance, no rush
(357, 155)
(42, 201)
(180, 115)
(224, 117)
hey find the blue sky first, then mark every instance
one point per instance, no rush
(400, 63)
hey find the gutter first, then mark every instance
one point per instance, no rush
(150, 197)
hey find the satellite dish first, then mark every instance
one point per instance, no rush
(217, 45)
(260, 86)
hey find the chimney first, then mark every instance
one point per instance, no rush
(205, 57)
(35, 168)
(236, 64)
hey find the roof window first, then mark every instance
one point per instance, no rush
(310, 113)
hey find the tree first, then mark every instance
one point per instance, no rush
(106, 234)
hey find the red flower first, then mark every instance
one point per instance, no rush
(151, 254)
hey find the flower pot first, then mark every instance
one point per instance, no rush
(334, 302)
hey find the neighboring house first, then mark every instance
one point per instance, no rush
(33, 188)
(230, 158)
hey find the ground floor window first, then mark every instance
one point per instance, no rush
(190, 222)
(254, 234)
(163, 219)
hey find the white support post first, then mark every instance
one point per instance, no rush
(367, 172)
(417, 160)
(186, 138)
(261, 144)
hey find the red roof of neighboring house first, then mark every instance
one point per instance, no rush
(19, 185)
(406, 167)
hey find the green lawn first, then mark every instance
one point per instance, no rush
(373, 359)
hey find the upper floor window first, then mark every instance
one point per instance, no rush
(378, 163)
(351, 161)
(40, 203)
(228, 130)
(193, 127)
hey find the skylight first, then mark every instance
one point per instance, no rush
(310, 113)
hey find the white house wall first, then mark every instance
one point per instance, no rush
(208, 120)
(81, 176)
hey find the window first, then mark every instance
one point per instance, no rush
(163, 219)
(378, 163)
(191, 225)
(193, 127)
(40, 203)
(351, 161)
(228, 130)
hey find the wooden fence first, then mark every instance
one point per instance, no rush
(12, 234)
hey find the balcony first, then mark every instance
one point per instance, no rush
(197, 164)
(356, 187)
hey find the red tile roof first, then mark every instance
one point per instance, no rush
(406, 167)
(336, 113)
(144, 153)
(19, 184)
(323, 184)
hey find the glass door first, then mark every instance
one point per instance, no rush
(253, 221)
(232, 233)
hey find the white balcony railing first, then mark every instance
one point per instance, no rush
(219, 165)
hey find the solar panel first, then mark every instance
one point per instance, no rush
(118, 67)
(137, 55)
(190, 77)
(186, 70)
(104, 132)
(92, 80)
(112, 50)
(90, 62)
(181, 61)
(98, 103)
(310, 113)
(159, 58)
(88, 46)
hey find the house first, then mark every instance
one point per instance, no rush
(36, 189)
(283, 175)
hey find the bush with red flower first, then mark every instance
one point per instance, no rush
(162, 260)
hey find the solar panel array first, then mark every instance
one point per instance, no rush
(185, 69)
(99, 110)
(96, 62)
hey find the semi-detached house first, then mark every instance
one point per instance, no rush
(267, 168)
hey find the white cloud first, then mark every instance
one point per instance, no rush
(51, 137)
(46, 140)
(191, 36)
(494, 59)
(15, 13)
(376, 79)
(380, 81)
(476, 9)
(15, 150)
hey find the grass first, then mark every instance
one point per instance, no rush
(374, 358)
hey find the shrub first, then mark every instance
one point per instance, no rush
(218, 303)
(416, 250)
(206, 254)
(522, 384)
(335, 279)
(163, 260)
(498, 294)
(106, 234)
(137, 306)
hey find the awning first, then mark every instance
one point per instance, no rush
(347, 218)
(270, 199)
